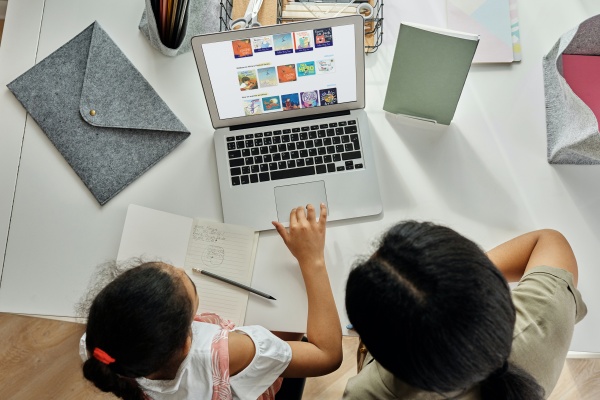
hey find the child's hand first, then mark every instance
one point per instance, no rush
(306, 240)
(306, 236)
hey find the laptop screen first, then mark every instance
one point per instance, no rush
(282, 71)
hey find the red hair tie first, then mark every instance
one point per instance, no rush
(102, 356)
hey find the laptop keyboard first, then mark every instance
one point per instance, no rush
(290, 153)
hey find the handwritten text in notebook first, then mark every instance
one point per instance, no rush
(228, 251)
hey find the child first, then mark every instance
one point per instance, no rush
(437, 318)
(144, 341)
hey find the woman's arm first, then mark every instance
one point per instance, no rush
(544, 247)
(305, 239)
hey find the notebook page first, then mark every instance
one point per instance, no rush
(154, 235)
(228, 251)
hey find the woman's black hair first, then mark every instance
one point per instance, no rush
(433, 310)
(142, 320)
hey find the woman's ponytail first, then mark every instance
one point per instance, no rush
(107, 380)
(511, 383)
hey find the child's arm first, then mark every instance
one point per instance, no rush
(306, 241)
(543, 247)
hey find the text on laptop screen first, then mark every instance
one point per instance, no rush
(281, 72)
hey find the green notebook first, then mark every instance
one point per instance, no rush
(429, 70)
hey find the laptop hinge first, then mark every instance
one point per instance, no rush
(290, 120)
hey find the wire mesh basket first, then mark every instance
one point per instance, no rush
(373, 28)
(225, 15)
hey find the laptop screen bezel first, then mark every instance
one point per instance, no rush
(217, 122)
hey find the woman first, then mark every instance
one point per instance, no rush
(437, 318)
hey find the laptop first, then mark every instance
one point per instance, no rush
(287, 102)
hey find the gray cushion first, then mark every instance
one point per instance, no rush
(572, 128)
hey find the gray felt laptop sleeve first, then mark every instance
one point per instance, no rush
(99, 112)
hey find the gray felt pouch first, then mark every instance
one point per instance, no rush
(203, 16)
(99, 112)
(572, 128)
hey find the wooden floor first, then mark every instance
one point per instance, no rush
(39, 360)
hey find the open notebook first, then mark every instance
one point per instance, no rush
(226, 250)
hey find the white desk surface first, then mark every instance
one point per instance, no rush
(485, 175)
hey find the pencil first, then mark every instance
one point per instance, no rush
(234, 283)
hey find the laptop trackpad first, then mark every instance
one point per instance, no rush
(292, 196)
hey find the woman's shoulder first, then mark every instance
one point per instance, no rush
(547, 296)
(548, 305)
